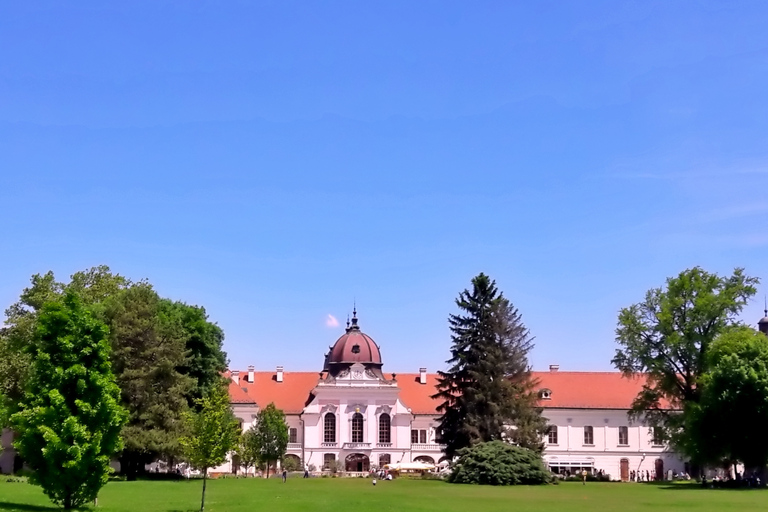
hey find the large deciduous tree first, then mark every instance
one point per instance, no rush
(206, 359)
(166, 354)
(729, 422)
(667, 337)
(271, 434)
(93, 286)
(488, 386)
(68, 424)
(212, 432)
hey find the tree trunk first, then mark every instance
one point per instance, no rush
(267, 470)
(205, 479)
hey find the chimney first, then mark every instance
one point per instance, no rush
(279, 376)
(251, 374)
(554, 367)
(236, 377)
(422, 375)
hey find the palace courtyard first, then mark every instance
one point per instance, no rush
(402, 495)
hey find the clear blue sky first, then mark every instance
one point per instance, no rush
(275, 161)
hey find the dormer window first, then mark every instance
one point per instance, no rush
(545, 394)
(355, 349)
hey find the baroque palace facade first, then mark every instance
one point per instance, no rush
(352, 413)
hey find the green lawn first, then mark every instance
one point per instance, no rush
(358, 495)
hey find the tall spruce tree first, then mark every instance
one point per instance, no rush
(488, 387)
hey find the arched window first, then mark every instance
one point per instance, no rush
(384, 429)
(357, 428)
(329, 433)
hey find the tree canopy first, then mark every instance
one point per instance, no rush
(271, 435)
(668, 337)
(212, 432)
(165, 354)
(488, 385)
(729, 422)
(149, 351)
(68, 423)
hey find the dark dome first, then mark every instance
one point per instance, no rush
(354, 346)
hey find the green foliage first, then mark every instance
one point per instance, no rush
(668, 337)
(206, 359)
(248, 449)
(212, 432)
(68, 424)
(149, 348)
(729, 422)
(291, 464)
(165, 354)
(488, 385)
(271, 434)
(498, 463)
(15, 357)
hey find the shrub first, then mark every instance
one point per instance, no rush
(498, 463)
(291, 464)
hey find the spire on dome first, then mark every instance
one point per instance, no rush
(354, 319)
(762, 325)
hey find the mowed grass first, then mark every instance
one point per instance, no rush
(359, 495)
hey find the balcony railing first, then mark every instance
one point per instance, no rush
(357, 446)
(428, 447)
(294, 446)
(329, 445)
(383, 445)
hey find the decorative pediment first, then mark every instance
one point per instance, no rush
(356, 372)
(383, 409)
(353, 408)
(329, 408)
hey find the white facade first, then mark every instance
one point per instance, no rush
(604, 439)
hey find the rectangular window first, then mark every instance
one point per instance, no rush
(423, 436)
(589, 436)
(552, 434)
(414, 436)
(293, 434)
(328, 458)
(623, 436)
(658, 438)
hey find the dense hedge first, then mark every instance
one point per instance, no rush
(499, 463)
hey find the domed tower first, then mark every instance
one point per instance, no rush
(353, 347)
(762, 325)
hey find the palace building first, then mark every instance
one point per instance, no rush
(353, 413)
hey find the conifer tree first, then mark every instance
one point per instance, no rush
(68, 425)
(488, 385)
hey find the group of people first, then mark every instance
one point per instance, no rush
(642, 476)
(726, 481)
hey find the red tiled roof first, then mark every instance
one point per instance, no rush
(416, 396)
(569, 390)
(588, 390)
(291, 395)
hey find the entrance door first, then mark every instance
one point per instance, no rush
(357, 462)
(659, 469)
(624, 470)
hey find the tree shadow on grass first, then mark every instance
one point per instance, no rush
(22, 507)
(699, 487)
